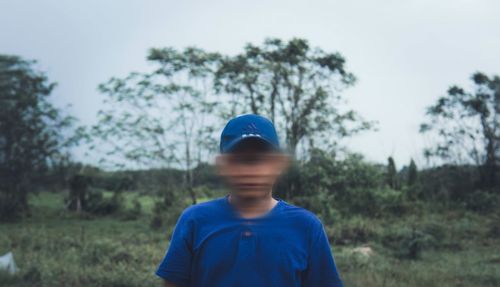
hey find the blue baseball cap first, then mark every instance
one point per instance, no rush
(249, 126)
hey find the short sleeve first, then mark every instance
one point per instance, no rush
(176, 265)
(321, 269)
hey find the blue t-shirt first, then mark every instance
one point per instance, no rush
(213, 247)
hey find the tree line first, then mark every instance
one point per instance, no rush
(170, 118)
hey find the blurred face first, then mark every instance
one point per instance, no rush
(251, 169)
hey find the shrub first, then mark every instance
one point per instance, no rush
(133, 213)
(97, 251)
(353, 231)
(494, 229)
(373, 202)
(33, 276)
(390, 201)
(7, 279)
(320, 205)
(166, 215)
(482, 201)
(325, 172)
(447, 182)
(408, 243)
(435, 229)
(97, 204)
(10, 210)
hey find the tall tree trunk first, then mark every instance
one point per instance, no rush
(490, 166)
(274, 95)
(293, 138)
(190, 187)
(488, 170)
(189, 174)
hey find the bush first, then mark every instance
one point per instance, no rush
(325, 173)
(373, 202)
(33, 276)
(133, 213)
(166, 215)
(408, 243)
(390, 201)
(448, 182)
(326, 184)
(435, 229)
(97, 251)
(482, 201)
(10, 209)
(7, 279)
(97, 204)
(356, 230)
(321, 205)
(494, 229)
(105, 251)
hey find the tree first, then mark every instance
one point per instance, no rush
(296, 86)
(467, 125)
(162, 118)
(391, 177)
(78, 191)
(32, 132)
(412, 173)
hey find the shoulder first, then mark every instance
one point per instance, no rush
(305, 222)
(301, 215)
(203, 209)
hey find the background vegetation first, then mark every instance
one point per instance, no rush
(108, 223)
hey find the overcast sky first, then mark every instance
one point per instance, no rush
(404, 53)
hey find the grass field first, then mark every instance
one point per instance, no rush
(55, 248)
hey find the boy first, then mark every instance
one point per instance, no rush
(248, 238)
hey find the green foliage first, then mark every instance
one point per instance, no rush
(7, 279)
(412, 173)
(325, 173)
(295, 85)
(166, 117)
(10, 209)
(408, 242)
(31, 130)
(373, 202)
(166, 215)
(482, 201)
(167, 211)
(391, 176)
(456, 185)
(351, 230)
(160, 118)
(494, 229)
(321, 205)
(78, 189)
(76, 252)
(204, 174)
(466, 124)
(447, 183)
(56, 248)
(94, 202)
(135, 212)
(327, 185)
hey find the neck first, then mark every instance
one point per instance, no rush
(252, 207)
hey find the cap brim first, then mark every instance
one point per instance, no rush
(236, 142)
